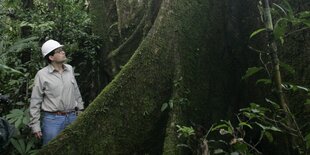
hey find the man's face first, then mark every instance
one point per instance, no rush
(59, 56)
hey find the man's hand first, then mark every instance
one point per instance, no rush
(38, 134)
(79, 112)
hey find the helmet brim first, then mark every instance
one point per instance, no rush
(52, 50)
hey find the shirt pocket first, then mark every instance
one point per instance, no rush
(53, 89)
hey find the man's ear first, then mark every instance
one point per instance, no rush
(51, 57)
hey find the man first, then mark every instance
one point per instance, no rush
(55, 93)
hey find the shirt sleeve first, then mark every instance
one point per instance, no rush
(77, 94)
(35, 104)
(78, 98)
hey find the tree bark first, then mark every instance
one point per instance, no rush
(194, 56)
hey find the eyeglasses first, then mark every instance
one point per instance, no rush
(59, 50)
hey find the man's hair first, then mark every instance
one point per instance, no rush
(47, 59)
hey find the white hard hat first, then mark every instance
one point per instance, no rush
(49, 46)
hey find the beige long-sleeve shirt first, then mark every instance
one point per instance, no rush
(53, 91)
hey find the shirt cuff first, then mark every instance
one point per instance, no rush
(36, 128)
(81, 106)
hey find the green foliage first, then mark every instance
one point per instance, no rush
(22, 143)
(269, 118)
(174, 102)
(225, 128)
(9, 52)
(254, 111)
(251, 71)
(185, 131)
(23, 147)
(287, 19)
(263, 81)
(281, 118)
(236, 138)
(15, 74)
(266, 120)
(294, 88)
(23, 30)
(166, 105)
(19, 117)
(8, 70)
(257, 32)
(287, 68)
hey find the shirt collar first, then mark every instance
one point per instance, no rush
(51, 68)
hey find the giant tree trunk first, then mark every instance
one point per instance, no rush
(121, 25)
(186, 45)
(193, 56)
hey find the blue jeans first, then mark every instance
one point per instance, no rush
(53, 124)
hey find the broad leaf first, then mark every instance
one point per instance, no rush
(280, 28)
(7, 69)
(164, 106)
(288, 68)
(17, 146)
(280, 8)
(245, 124)
(304, 14)
(272, 128)
(26, 120)
(171, 104)
(29, 146)
(257, 31)
(303, 88)
(295, 87)
(22, 145)
(263, 81)
(251, 71)
(274, 104)
(288, 8)
(18, 122)
(306, 22)
(219, 151)
(269, 136)
(220, 126)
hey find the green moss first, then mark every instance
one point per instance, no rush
(111, 128)
(189, 40)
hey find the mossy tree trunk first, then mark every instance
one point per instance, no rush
(121, 25)
(192, 56)
(186, 46)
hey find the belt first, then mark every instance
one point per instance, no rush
(60, 112)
